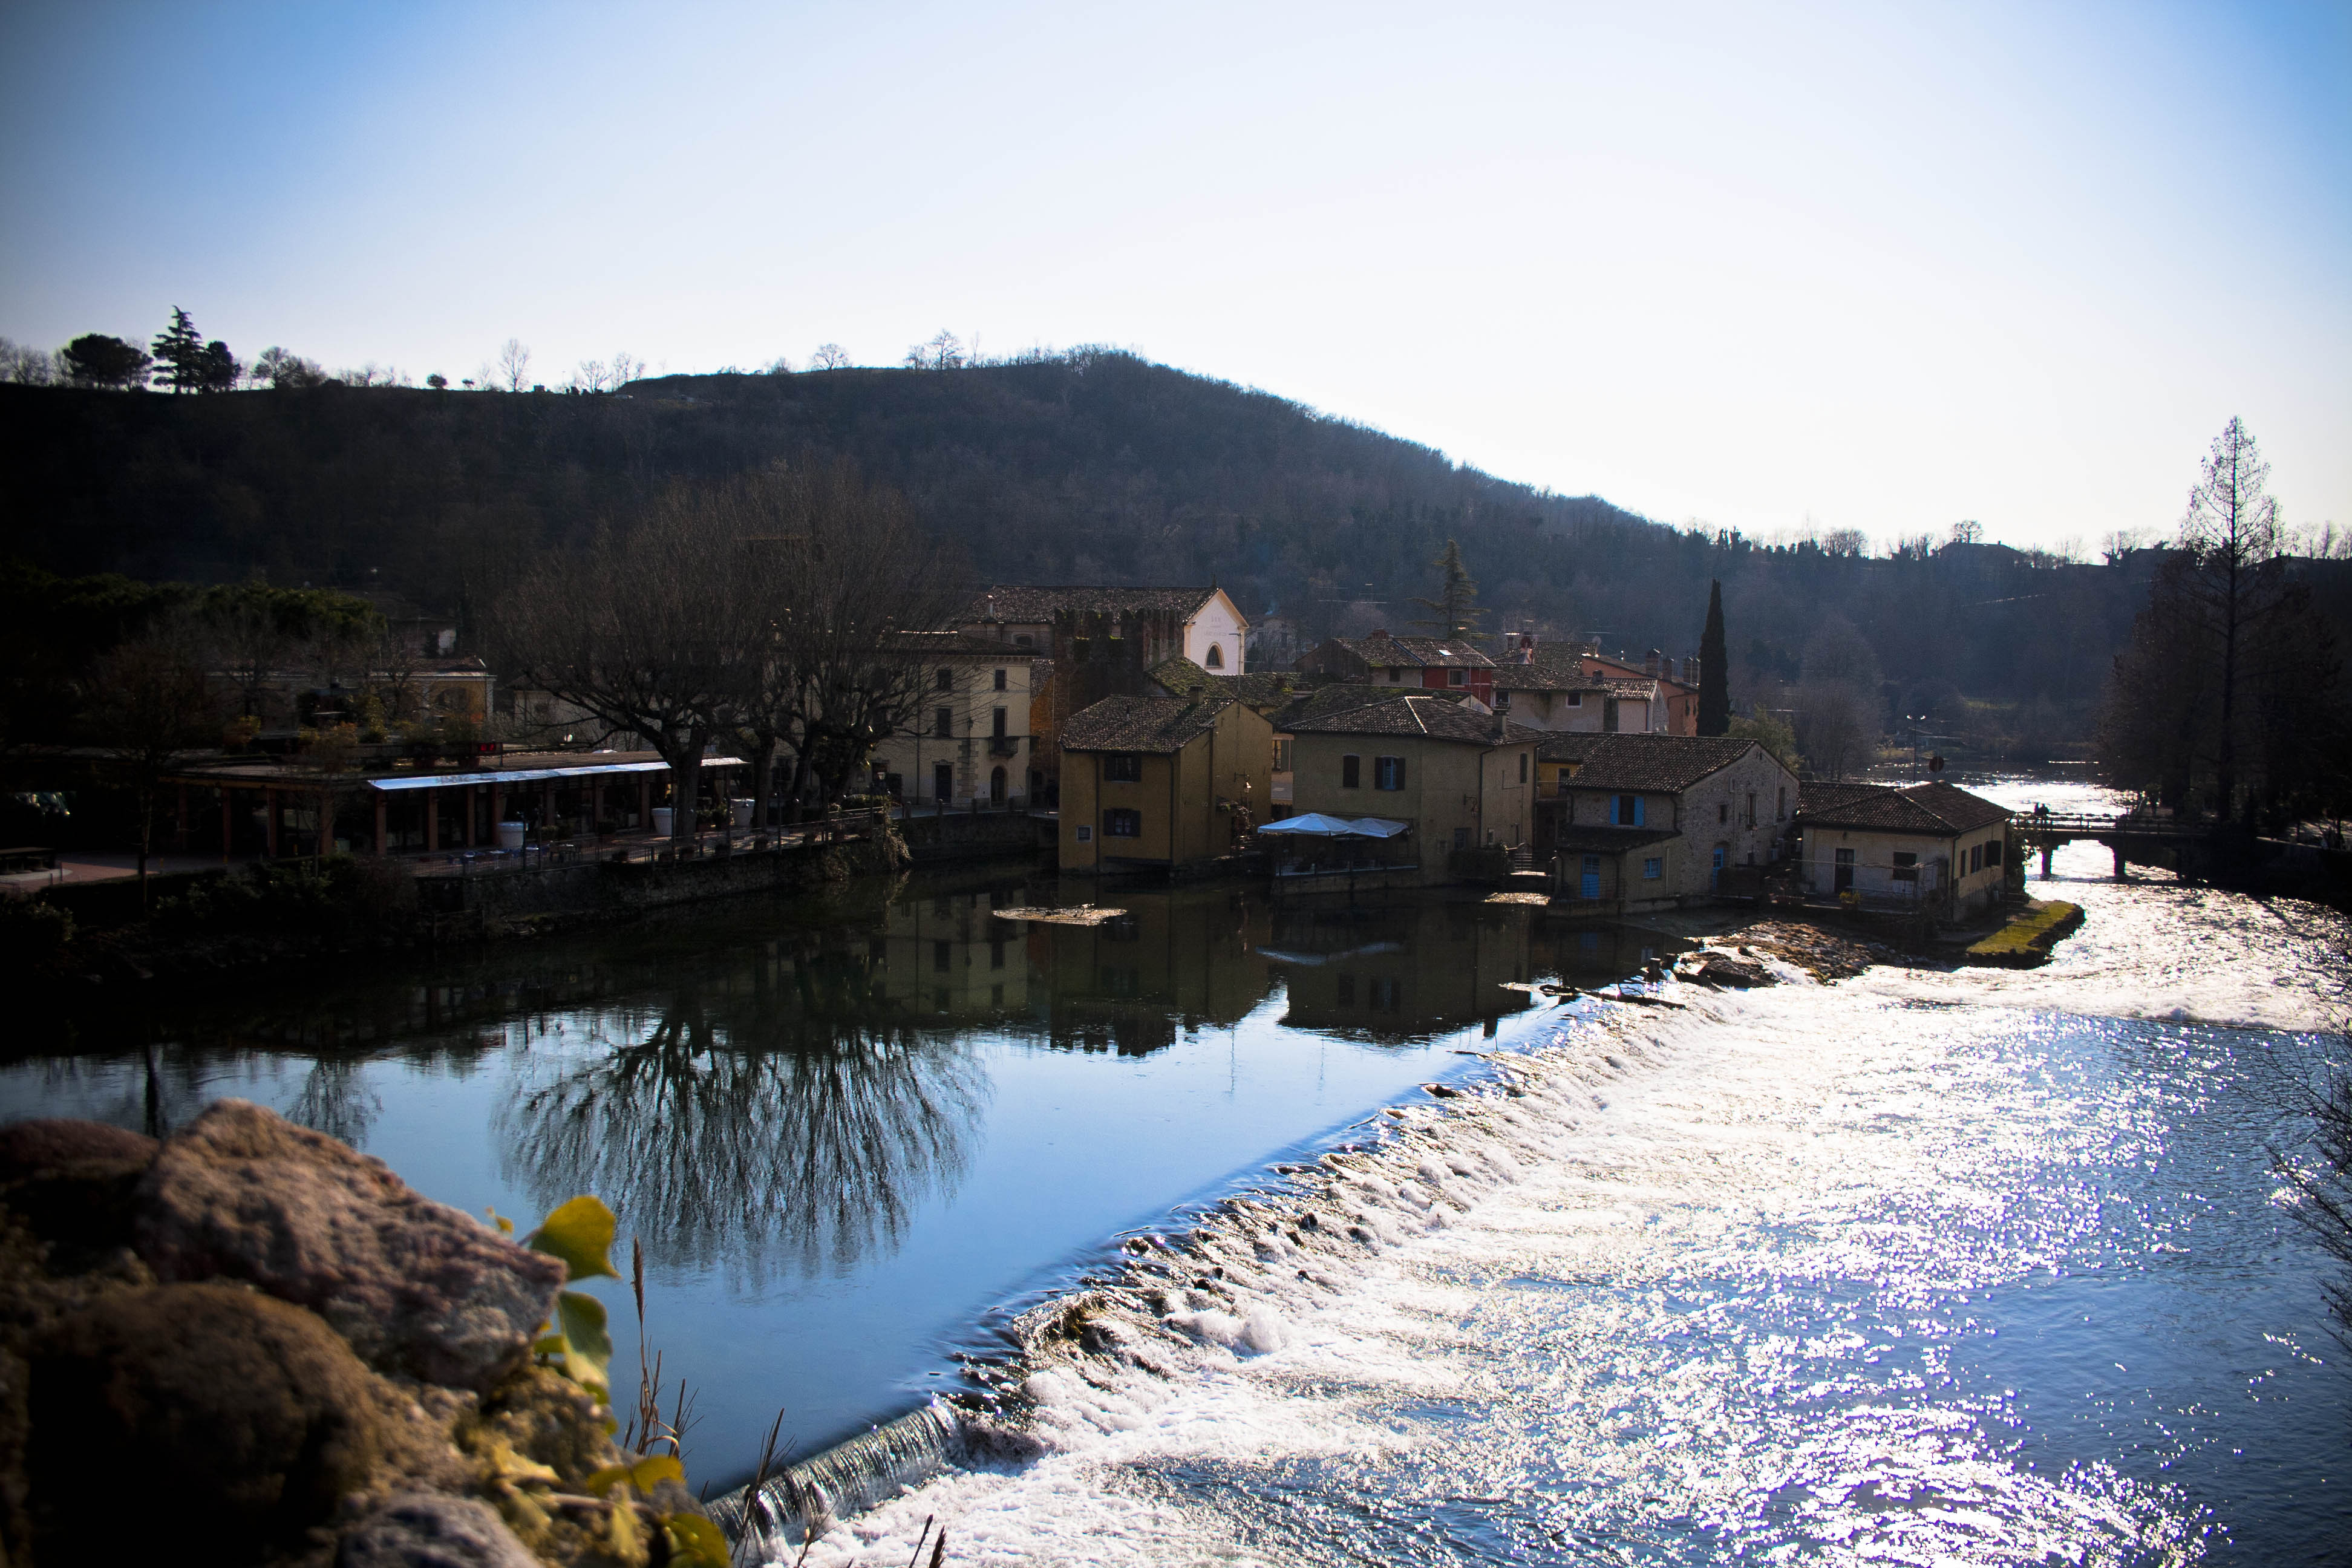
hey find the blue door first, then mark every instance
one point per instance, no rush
(1714, 883)
(1592, 876)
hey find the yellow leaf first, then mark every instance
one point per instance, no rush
(506, 1226)
(650, 1473)
(605, 1479)
(580, 1233)
(694, 1539)
(510, 1467)
(587, 1348)
(628, 1546)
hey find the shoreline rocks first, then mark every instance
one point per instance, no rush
(290, 1358)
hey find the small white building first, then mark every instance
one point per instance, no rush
(1933, 845)
(971, 741)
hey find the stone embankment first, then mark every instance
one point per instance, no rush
(248, 1344)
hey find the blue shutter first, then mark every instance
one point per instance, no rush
(1638, 811)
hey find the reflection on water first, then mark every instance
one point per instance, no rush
(847, 1130)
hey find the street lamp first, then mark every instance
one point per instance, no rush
(1915, 720)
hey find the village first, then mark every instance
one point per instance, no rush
(1117, 734)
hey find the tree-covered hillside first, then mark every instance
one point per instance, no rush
(1087, 466)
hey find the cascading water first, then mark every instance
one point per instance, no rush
(1920, 1267)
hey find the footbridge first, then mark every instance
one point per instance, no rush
(2130, 836)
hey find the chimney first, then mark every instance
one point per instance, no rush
(1650, 665)
(1690, 670)
(1527, 648)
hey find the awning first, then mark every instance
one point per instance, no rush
(1315, 824)
(533, 776)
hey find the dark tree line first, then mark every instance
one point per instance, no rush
(2228, 696)
(1092, 466)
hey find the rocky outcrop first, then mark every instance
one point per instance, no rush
(424, 1530)
(332, 1370)
(417, 1288)
(243, 1420)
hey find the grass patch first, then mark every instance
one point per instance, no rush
(2029, 936)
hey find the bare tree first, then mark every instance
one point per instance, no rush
(514, 365)
(635, 631)
(829, 356)
(626, 368)
(150, 704)
(944, 351)
(2231, 534)
(589, 377)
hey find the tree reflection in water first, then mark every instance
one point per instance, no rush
(777, 1122)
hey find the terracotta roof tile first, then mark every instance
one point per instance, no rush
(1415, 713)
(1667, 763)
(1016, 602)
(1937, 809)
(1140, 723)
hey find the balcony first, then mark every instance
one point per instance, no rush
(1004, 745)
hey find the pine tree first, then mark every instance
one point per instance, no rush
(1713, 676)
(179, 350)
(1454, 598)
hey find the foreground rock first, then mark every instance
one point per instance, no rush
(331, 1369)
(417, 1286)
(243, 1420)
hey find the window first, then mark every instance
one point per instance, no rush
(1751, 808)
(1654, 868)
(944, 681)
(941, 954)
(1085, 833)
(1343, 989)
(1522, 767)
(1906, 866)
(1992, 851)
(1976, 858)
(943, 721)
(1462, 838)
(1121, 822)
(1388, 772)
(1000, 680)
(1457, 677)
(1783, 807)
(1122, 767)
(1576, 699)
(1282, 756)
(1021, 640)
(1352, 773)
(1722, 811)
(1216, 659)
(996, 952)
(999, 724)
(1625, 810)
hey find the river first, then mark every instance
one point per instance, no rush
(1920, 1266)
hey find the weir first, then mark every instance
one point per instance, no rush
(847, 1478)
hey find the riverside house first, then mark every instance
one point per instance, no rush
(1461, 777)
(1170, 783)
(1635, 823)
(972, 743)
(1932, 846)
(1102, 642)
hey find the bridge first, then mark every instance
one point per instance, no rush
(2129, 835)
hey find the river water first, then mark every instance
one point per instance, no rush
(1915, 1268)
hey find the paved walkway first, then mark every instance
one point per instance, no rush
(76, 866)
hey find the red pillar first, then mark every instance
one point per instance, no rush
(473, 805)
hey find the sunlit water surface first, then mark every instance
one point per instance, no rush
(1921, 1267)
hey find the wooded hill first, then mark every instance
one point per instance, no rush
(1090, 467)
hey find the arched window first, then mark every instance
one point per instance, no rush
(1216, 657)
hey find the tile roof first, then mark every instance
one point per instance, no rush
(1667, 763)
(1140, 723)
(1262, 690)
(1552, 669)
(957, 645)
(1017, 602)
(1415, 713)
(1383, 651)
(1322, 702)
(1939, 809)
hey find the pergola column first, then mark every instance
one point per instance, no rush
(269, 821)
(551, 808)
(432, 820)
(473, 805)
(183, 816)
(228, 838)
(644, 802)
(383, 823)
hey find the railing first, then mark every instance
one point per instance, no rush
(1004, 745)
(2085, 824)
(705, 843)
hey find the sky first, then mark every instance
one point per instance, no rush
(1880, 267)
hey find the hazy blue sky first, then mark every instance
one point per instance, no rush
(1872, 267)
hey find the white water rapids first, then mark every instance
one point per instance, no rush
(1854, 1273)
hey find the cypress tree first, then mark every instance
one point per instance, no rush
(1713, 676)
